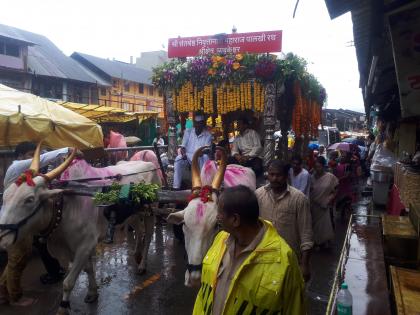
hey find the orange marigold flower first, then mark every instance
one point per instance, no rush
(236, 65)
(211, 72)
(239, 57)
(215, 65)
(219, 58)
(214, 59)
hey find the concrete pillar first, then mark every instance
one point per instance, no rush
(170, 114)
(65, 96)
(269, 119)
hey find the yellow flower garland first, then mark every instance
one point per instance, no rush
(229, 98)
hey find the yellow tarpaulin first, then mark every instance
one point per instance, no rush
(101, 113)
(27, 117)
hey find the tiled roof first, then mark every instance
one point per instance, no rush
(114, 68)
(44, 58)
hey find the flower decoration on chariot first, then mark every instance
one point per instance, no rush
(239, 57)
(236, 65)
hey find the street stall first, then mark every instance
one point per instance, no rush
(27, 117)
(227, 76)
(141, 124)
(386, 42)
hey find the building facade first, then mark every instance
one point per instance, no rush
(121, 84)
(344, 119)
(32, 63)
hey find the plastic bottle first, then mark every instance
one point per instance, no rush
(344, 301)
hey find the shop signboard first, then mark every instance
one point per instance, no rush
(256, 42)
(405, 33)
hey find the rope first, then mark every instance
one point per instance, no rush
(107, 177)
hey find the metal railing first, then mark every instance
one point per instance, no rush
(340, 271)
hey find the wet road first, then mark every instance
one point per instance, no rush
(161, 289)
(121, 291)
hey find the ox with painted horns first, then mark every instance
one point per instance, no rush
(23, 200)
(199, 218)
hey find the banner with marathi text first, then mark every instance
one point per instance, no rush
(256, 42)
(405, 33)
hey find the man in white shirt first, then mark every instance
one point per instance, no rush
(159, 139)
(24, 153)
(193, 139)
(299, 177)
(247, 148)
(322, 151)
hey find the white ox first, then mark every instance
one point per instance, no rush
(134, 171)
(27, 210)
(199, 217)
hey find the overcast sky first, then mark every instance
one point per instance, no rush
(120, 29)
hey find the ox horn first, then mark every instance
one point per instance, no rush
(195, 169)
(61, 168)
(218, 178)
(35, 160)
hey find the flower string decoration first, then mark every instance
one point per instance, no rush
(27, 177)
(204, 194)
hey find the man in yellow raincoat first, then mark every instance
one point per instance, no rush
(249, 269)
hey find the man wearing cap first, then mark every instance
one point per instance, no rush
(193, 139)
(247, 147)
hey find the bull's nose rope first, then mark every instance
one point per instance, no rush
(14, 228)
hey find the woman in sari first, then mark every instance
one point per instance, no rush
(322, 195)
(343, 172)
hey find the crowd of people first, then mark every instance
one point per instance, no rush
(297, 204)
(270, 233)
(296, 208)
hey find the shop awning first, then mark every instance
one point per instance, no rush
(27, 117)
(101, 113)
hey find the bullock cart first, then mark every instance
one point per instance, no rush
(276, 92)
(209, 76)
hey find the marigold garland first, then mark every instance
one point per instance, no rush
(218, 85)
(306, 114)
(229, 98)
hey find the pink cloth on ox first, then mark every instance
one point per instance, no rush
(117, 140)
(148, 156)
(235, 175)
(80, 169)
